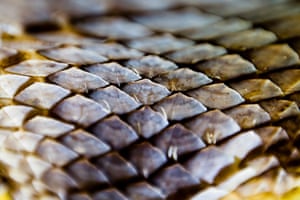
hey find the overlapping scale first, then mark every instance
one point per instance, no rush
(158, 100)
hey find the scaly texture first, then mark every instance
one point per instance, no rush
(149, 100)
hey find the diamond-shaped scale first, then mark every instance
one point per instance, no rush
(113, 73)
(10, 141)
(115, 100)
(24, 192)
(86, 174)
(160, 44)
(62, 37)
(13, 164)
(217, 96)
(226, 67)
(237, 178)
(147, 122)
(249, 115)
(55, 152)
(213, 126)
(24, 44)
(274, 11)
(257, 89)
(13, 116)
(81, 110)
(217, 29)
(285, 27)
(254, 168)
(176, 141)
(151, 66)
(272, 135)
(208, 163)
(15, 160)
(146, 158)
(277, 180)
(42, 95)
(280, 109)
(196, 53)
(233, 8)
(230, 147)
(179, 106)
(109, 194)
(112, 28)
(262, 163)
(115, 167)
(72, 55)
(115, 132)
(22, 141)
(146, 91)
(177, 80)
(113, 51)
(77, 80)
(143, 190)
(173, 178)
(40, 186)
(40, 68)
(274, 57)
(287, 80)
(47, 126)
(38, 166)
(84, 143)
(247, 39)
(10, 84)
(168, 20)
(131, 6)
(21, 176)
(58, 181)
